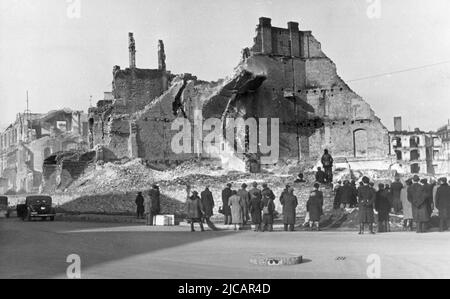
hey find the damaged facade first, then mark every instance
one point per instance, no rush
(284, 75)
(26, 143)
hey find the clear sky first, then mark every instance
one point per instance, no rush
(62, 59)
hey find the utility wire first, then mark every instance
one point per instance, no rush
(400, 71)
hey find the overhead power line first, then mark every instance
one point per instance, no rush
(400, 71)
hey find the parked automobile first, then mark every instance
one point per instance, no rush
(4, 209)
(36, 206)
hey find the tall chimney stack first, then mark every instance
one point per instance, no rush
(132, 50)
(398, 123)
(161, 56)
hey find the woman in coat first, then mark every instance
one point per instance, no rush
(289, 202)
(314, 206)
(255, 207)
(366, 200)
(237, 210)
(406, 207)
(194, 210)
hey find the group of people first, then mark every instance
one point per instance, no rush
(416, 200)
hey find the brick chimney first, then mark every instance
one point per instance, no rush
(132, 50)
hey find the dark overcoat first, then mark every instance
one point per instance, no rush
(194, 208)
(226, 194)
(314, 205)
(366, 200)
(289, 203)
(207, 202)
(268, 202)
(383, 205)
(347, 194)
(417, 198)
(255, 208)
(443, 200)
(396, 189)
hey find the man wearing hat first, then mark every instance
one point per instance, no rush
(255, 207)
(195, 211)
(208, 204)
(226, 194)
(153, 204)
(244, 195)
(417, 198)
(443, 204)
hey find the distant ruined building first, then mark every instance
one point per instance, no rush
(283, 75)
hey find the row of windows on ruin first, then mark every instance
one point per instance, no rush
(309, 91)
(414, 141)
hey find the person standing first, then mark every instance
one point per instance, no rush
(417, 198)
(406, 207)
(268, 208)
(396, 188)
(255, 206)
(140, 208)
(314, 207)
(429, 203)
(226, 194)
(383, 207)
(153, 205)
(347, 195)
(443, 204)
(366, 200)
(207, 200)
(245, 199)
(237, 210)
(337, 195)
(289, 202)
(194, 211)
(327, 163)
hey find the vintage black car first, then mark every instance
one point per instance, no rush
(4, 209)
(36, 206)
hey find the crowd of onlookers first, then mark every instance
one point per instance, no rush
(414, 198)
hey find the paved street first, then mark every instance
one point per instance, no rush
(40, 249)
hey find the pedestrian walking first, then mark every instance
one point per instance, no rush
(289, 202)
(314, 207)
(195, 211)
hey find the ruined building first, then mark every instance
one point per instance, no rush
(284, 75)
(32, 138)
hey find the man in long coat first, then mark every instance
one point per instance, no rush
(195, 211)
(346, 195)
(443, 204)
(406, 207)
(207, 200)
(226, 194)
(314, 206)
(245, 198)
(268, 208)
(140, 208)
(396, 188)
(289, 202)
(428, 197)
(255, 206)
(383, 207)
(327, 163)
(153, 205)
(366, 200)
(417, 198)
